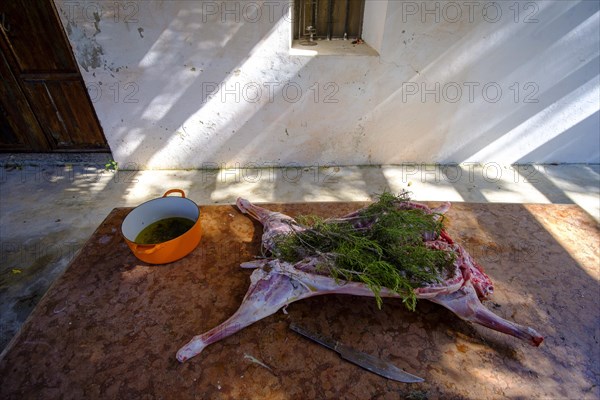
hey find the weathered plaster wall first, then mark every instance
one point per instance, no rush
(184, 84)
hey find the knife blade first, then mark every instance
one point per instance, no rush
(364, 360)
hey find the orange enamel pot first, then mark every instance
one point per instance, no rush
(155, 210)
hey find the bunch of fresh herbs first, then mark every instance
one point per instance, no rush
(381, 246)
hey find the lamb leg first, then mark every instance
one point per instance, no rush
(467, 306)
(268, 293)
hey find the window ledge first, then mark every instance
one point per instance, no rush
(332, 48)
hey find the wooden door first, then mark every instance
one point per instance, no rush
(44, 105)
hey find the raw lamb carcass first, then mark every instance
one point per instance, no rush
(275, 284)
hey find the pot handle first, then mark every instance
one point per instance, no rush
(146, 249)
(168, 192)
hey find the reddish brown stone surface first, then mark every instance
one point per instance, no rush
(111, 325)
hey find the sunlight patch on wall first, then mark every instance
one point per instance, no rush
(544, 126)
(169, 58)
(229, 104)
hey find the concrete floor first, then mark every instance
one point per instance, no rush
(50, 205)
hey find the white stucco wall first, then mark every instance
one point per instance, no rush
(187, 84)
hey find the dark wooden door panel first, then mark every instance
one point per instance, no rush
(62, 115)
(36, 40)
(8, 139)
(52, 110)
(20, 130)
(83, 131)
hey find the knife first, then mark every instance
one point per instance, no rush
(366, 361)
